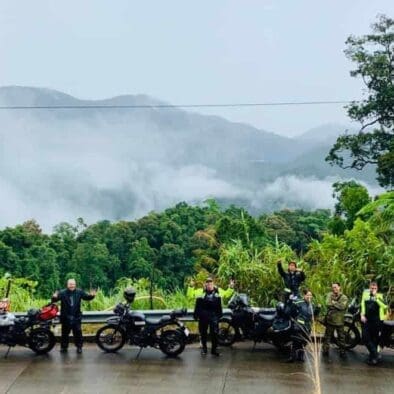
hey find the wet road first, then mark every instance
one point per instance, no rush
(238, 370)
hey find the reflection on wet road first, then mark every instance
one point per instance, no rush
(238, 370)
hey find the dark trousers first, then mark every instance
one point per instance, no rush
(371, 336)
(75, 327)
(300, 336)
(330, 329)
(213, 326)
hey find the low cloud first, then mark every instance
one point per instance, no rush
(56, 169)
(299, 192)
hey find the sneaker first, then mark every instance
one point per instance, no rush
(204, 351)
(79, 350)
(215, 353)
(63, 350)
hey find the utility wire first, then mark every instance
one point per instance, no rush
(169, 106)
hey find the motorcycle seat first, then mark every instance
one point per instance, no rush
(266, 317)
(267, 311)
(389, 323)
(155, 322)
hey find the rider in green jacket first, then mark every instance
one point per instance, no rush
(337, 304)
(193, 292)
(373, 312)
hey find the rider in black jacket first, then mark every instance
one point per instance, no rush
(302, 312)
(70, 313)
(208, 311)
(293, 277)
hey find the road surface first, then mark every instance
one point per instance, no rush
(238, 370)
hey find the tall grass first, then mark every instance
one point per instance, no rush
(22, 296)
(313, 360)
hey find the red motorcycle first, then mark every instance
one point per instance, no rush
(32, 330)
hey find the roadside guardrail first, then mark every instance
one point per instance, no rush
(100, 317)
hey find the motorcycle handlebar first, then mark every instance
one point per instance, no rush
(179, 312)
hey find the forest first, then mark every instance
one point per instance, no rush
(350, 245)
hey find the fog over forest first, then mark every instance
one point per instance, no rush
(58, 165)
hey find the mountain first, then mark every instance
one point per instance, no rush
(325, 134)
(209, 139)
(116, 163)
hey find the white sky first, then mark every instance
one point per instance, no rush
(192, 52)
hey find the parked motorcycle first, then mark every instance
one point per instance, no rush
(353, 328)
(167, 333)
(387, 337)
(272, 325)
(32, 330)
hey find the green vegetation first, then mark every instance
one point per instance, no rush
(195, 241)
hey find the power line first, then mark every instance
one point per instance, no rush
(170, 106)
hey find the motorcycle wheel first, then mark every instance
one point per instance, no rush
(110, 338)
(41, 340)
(172, 343)
(227, 332)
(352, 336)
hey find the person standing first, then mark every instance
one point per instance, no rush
(208, 311)
(337, 304)
(193, 291)
(70, 313)
(293, 277)
(373, 312)
(303, 313)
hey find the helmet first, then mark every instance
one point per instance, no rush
(129, 294)
(33, 312)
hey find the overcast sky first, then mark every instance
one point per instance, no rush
(188, 52)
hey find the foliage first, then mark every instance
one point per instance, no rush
(186, 241)
(381, 216)
(297, 227)
(352, 259)
(351, 197)
(255, 270)
(373, 55)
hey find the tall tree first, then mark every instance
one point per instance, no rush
(373, 55)
(351, 197)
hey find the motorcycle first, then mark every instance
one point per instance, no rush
(32, 330)
(272, 325)
(353, 328)
(167, 333)
(387, 336)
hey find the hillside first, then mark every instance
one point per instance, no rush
(123, 162)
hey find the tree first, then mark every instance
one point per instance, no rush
(373, 55)
(351, 198)
(296, 227)
(9, 261)
(381, 216)
(142, 260)
(91, 261)
(171, 261)
(44, 258)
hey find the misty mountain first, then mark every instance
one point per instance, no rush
(325, 134)
(118, 163)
